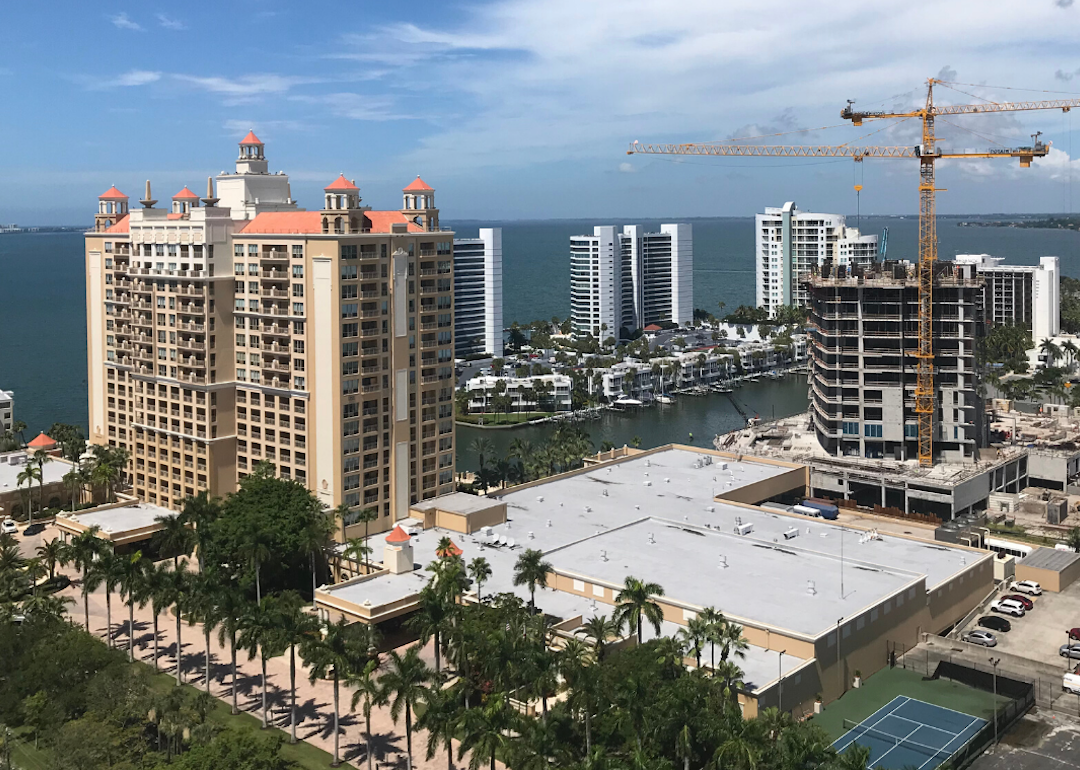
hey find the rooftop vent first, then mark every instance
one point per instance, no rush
(648, 463)
(531, 535)
(811, 588)
(603, 556)
(637, 507)
(604, 492)
(744, 529)
(791, 533)
(588, 509)
(710, 508)
(723, 562)
(540, 499)
(549, 522)
(652, 540)
(667, 481)
(648, 483)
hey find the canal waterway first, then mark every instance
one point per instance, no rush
(694, 420)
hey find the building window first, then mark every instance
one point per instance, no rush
(349, 310)
(911, 431)
(298, 289)
(851, 429)
(298, 271)
(298, 383)
(297, 251)
(348, 251)
(298, 308)
(872, 431)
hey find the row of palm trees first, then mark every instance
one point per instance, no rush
(525, 461)
(104, 472)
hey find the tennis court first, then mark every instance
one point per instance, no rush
(910, 733)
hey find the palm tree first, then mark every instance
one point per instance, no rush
(295, 627)
(694, 636)
(203, 607)
(712, 619)
(367, 515)
(600, 628)
(371, 691)
(28, 475)
(256, 549)
(334, 654)
(636, 605)
(531, 570)
(259, 635)
(442, 720)
(74, 480)
(150, 590)
(232, 609)
(199, 513)
(404, 683)
(357, 550)
(730, 638)
(483, 449)
(487, 730)
(432, 620)
(313, 540)
(41, 457)
(174, 593)
(175, 537)
(106, 570)
(83, 551)
(130, 576)
(479, 571)
(52, 553)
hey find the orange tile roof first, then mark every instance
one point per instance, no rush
(250, 139)
(185, 194)
(341, 183)
(283, 222)
(381, 221)
(174, 216)
(419, 184)
(453, 550)
(122, 226)
(41, 442)
(112, 194)
(398, 535)
(653, 328)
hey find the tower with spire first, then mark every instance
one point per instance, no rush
(252, 158)
(418, 204)
(112, 207)
(252, 189)
(342, 212)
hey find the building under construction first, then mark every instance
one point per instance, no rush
(864, 340)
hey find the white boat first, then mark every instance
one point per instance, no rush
(662, 399)
(627, 402)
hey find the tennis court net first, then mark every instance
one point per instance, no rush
(894, 740)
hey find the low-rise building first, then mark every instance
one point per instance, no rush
(7, 410)
(15, 497)
(536, 393)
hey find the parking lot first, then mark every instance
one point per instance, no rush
(1041, 632)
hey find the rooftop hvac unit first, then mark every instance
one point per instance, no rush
(604, 492)
(540, 499)
(722, 466)
(791, 533)
(744, 529)
(648, 483)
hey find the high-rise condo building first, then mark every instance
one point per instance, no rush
(622, 281)
(478, 307)
(791, 243)
(1020, 295)
(235, 329)
(863, 347)
(7, 410)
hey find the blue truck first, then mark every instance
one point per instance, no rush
(828, 510)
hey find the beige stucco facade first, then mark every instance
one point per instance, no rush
(227, 334)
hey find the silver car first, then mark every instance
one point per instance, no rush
(1070, 651)
(985, 638)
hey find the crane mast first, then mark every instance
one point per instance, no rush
(928, 154)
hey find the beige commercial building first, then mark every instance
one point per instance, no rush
(819, 602)
(238, 328)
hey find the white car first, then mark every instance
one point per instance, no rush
(9, 527)
(1008, 607)
(1029, 587)
(985, 638)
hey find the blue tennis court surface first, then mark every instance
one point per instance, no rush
(910, 733)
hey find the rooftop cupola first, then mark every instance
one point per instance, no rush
(342, 212)
(418, 204)
(112, 206)
(184, 201)
(252, 159)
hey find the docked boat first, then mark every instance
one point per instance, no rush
(662, 399)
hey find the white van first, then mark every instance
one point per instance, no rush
(1071, 681)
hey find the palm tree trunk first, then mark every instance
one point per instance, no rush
(131, 629)
(437, 658)
(206, 633)
(314, 582)
(179, 675)
(588, 730)
(258, 586)
(154, 610)
(292, 693)
(492, 758)
(367, 734)
(86, 603)
(232, 649)
(639, 630)
(108, 616)
(337, 726)
(263, 691)
(408, 733)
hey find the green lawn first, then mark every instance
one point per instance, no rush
(23, 754)
(502, 418)
(305, 755)
(886, 684)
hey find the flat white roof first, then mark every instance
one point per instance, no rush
(457, 502)
(124, 518)
(52, 472)
(611, 509)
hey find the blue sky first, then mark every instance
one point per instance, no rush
(523, 110)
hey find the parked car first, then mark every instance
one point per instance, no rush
(1023, 601)
(1026, 587)
(1069, 651)
(985, 638)
(1008, 607)
(996, 623)
(1074, 633)
(9, 527)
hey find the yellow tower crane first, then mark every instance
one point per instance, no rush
(928, 153)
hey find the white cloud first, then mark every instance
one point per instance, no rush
(627, 168)
(357, 106)
(245, 86)
(127, 79)
(123, 21)
(520, 88)
(170, 23)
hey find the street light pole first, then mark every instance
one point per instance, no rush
(840, 659)
(780, 667)
(994, 662)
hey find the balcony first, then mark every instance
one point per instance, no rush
(199, 345)
(191, 309)
(370, 333)
(279, 293)
(277, 331)
(369, 294)
(273, 256)
(273, 275)
(192, 291)
(275, 366)
(273, 347)
(194, 379)
(189, 326)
